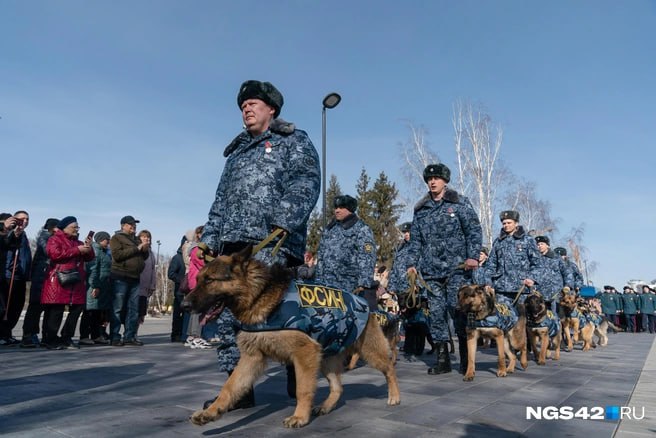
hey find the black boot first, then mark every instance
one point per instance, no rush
(291, 381)
(247, 400)
(462, 349)
(443, 364)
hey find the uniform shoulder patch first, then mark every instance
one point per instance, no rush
(368, 247)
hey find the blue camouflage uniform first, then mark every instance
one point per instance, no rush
(268, 181)
(398, 279)
(553, 277)
(575, 272)
(444, 234)
(346, 258)
(333, 318)
(513, 258)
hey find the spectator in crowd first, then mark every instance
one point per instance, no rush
(65, 283)
(630, 302)
(194, 338)
(129, 256)
(575, 272)
(271, 180)
(306, 270)
(17, 269)
(99, 293)
(148, 277)
(554, 274)
(192, 328)
(176, 273)
(445, 245)
(32, 319)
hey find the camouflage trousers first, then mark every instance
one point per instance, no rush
(442, 303)
(227, 351)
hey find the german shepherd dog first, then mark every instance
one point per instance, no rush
(543, 324)
(253, 291)
(389, 323)
(573, 320)
(591, 310)
(481, 307)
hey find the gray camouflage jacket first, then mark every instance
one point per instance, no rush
(444, 234)
(347, 255)
(272, 180)
(513, 258)
(554, 275)
(398, 279)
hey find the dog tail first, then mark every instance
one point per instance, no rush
(611, 325)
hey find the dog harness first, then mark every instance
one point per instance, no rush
(505, 316)
(585, 318)
(551, 321)
(333, 318)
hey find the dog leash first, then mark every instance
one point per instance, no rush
(205, 254)
(519, 293)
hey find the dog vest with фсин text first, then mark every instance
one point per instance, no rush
(505, 316)
(551, 321)
(333, 318)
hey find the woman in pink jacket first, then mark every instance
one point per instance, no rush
(67, 255)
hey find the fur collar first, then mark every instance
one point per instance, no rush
(518, 234)
(449, 196)
(347, 223)
(278, 126)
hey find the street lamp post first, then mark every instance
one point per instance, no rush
(330, 101)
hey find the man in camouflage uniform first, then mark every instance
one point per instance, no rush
(478, 276)
(271, 179)
(577, 277)
(445, 244)
(514, 261)
(398, 279)
(554, 275)
(346, 258)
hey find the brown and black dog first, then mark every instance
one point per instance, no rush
(390, 325)
(574, 324)
(483, 312)
(542, 323)
(253, 291)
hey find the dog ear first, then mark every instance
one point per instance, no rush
(244, 255)
(490, 291)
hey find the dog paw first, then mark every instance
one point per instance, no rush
(319, 410)
(201, 417)
(294, 422)
(468, 378)
(393, 401)
(501, 373)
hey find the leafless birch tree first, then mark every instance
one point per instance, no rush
(480, 173)
(416, 155)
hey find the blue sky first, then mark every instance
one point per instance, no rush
(125, 107)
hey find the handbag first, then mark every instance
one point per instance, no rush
(68, 277)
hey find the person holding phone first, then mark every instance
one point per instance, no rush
(64, 283)
(17, 269)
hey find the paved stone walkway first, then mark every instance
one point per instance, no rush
(102, 391)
